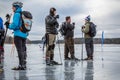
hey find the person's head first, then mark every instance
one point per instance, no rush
(53, 11)
(68, 19)
(16, 5)
(87, 19)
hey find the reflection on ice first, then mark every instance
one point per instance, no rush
(107, 69)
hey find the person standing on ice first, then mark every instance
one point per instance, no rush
(51, 32)
(68, 28)
(19, 36)
(89, 30)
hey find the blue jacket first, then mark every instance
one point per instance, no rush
(1, 23)
(16, 24)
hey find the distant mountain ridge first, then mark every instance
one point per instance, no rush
(80, 41)
(10, 40)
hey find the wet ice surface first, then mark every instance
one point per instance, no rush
(106, 69)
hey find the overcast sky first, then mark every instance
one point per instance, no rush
(104, 13)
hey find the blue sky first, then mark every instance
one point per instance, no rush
(104, 13)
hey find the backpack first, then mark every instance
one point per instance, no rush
(62, 29)
(26, 21)
(92, 31)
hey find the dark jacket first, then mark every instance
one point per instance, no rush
(69, 30)
(51, 24)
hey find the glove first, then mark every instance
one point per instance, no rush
(57, 16)
(7, 24)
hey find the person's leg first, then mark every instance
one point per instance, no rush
(18, 44)
(50, 48)
(47, 49)
(52, 38)
(2, 39)
(24, 52)
(71, 47)
(92, 48)
(52, 52)
(88, 48)
(66, 50)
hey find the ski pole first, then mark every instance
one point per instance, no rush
(82, 47)
(13, 48)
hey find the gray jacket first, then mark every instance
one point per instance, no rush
(69, 30)
(51, 24)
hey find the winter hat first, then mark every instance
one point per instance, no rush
(17, 4)
(87, 18)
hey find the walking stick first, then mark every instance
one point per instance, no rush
(13, 48)
(82, 47)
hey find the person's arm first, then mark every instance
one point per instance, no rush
(70, 26)
(16, 22)
(1, 25)
(50, 20)
(85, 28)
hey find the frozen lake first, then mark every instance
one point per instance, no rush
(106, 69)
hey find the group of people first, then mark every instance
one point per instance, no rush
(51, 32)
(51, 25)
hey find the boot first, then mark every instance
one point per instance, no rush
(74, 58)
(55, 63)
(67, 58)
(19, 68)
(88, 58)
(48, 62)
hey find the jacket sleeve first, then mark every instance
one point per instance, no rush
(50, 20)
(85, 28)
(1, 23)
(16, 22)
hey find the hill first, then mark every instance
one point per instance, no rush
(80, 41)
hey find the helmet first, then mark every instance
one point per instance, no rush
(17, 4)
(87, 18)
(52, 10)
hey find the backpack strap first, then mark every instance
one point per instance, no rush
(22, 26)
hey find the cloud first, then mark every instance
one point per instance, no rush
(104, 13)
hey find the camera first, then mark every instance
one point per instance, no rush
(73, 23)
(83, 27)
(57, 16)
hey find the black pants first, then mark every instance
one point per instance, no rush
(89, 47)
(20, 44)
(1, 37)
